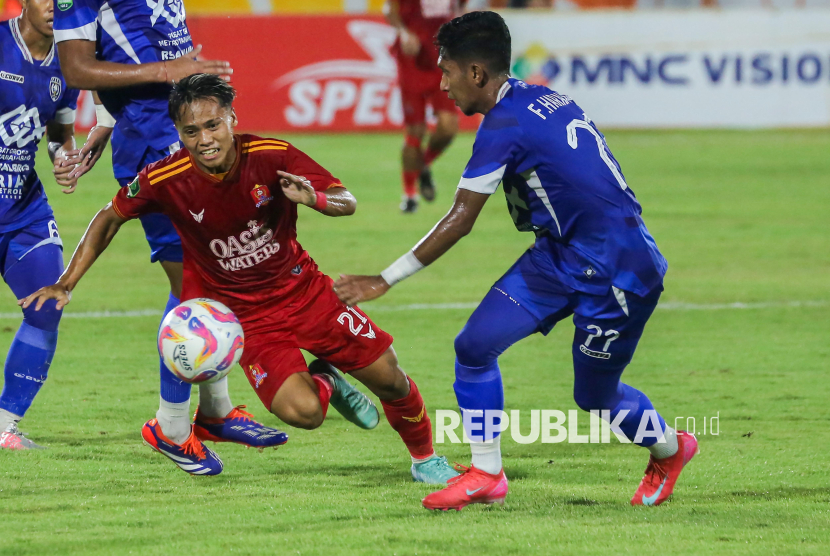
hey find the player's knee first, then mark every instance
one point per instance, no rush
(47, 319)
(471, 350)
(302, 412)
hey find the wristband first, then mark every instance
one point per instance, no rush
(404, 267)
(104, 118)
(322, 201)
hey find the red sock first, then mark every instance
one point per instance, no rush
(324, 390)
(410, 178)
(408, 416)
(431, 155)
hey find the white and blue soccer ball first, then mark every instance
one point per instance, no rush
(201, 340)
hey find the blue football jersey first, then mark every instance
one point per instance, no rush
(131, 32)
(562, 182)
(32, 92)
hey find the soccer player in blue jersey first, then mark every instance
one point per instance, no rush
(130, 52)
(34, 100)
(593, 258)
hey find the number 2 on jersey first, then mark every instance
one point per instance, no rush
(603, 148)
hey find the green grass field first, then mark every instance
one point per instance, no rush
(741, 217)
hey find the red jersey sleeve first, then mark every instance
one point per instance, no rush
(136, 199)
(300, 164)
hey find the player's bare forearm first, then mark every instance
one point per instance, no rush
(97, 237)
(339, 202)
(391, 10)
(336, 201)
(457, 223)
(61, 138)
(82, 70)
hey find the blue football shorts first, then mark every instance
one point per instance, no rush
(608, 327)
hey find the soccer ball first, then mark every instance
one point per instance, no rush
(201, 340)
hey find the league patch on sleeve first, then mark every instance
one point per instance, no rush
(135, 187)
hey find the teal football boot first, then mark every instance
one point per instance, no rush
(350, 402)
(434, 471)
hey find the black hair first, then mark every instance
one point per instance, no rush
(477, 37)
(199, 86)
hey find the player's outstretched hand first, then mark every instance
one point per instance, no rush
(190, 63)
(96, 143)
(354, 289)
(64, 165)
(297, 189)
(55, 291)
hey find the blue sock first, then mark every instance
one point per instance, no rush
(600, 389)
(27, 365)
(30, 355)
(496, 324)
(173, 389)
(478, 389)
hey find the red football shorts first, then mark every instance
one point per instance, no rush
(316, 321)
(420, 87)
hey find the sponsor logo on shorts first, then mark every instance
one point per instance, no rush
(262, 195)
(258, 374)
(596, 354)
(13, 77)
(590, 272)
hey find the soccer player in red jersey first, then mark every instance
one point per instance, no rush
(233, 200)
(419, 77)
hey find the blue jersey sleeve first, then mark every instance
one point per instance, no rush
(76, 19)
(496, 147)
(69, 100)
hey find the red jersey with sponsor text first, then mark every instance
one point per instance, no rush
(238, 233)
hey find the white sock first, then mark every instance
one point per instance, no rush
(665, 449)
(487, 455)
(214, 400)
(422, 460)
(174, 419)
(7, 418)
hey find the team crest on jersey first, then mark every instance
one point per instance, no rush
(55, 89)
(135, 187)
(262, 195)
(64, 5)
(257, 374)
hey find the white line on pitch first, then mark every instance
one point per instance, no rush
(667, 306)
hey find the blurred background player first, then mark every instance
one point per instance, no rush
(593, 258)
(419, 77)
(242, 250)
(34, 100)
(130, 52)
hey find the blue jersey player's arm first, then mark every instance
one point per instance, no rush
(76, 29)
(493, 152)
(60, 134)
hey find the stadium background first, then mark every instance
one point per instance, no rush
(737, 203)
